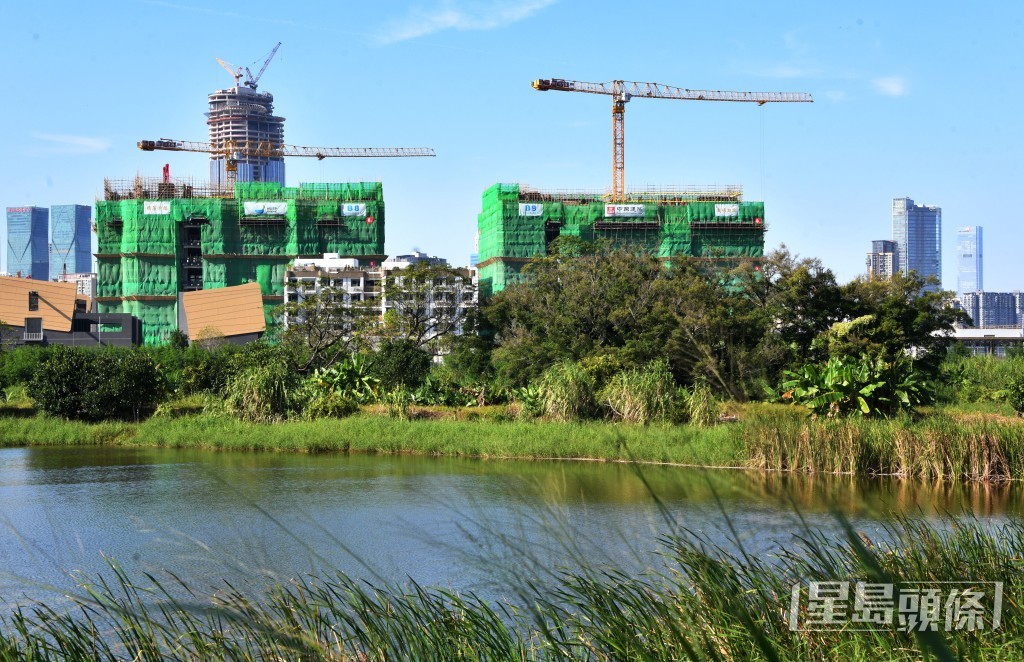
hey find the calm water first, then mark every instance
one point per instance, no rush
(250, 518)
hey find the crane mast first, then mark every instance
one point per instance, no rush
(621, 91)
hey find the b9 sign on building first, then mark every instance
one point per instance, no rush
(531, 209)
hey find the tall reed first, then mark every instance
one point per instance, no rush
(938, 446)
(568, 392)
(641, 395)
(707, 603)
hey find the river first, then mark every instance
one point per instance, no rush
(254, 518)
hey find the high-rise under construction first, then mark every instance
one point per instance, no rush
(518, 224)
(158, 239)
(241, 115)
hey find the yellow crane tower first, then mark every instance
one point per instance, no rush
(621, 91)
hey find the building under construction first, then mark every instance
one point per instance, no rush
(518, 224)
(242, 115)
(157, 239)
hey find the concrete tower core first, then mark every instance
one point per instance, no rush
(243, 115)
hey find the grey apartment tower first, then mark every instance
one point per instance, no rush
(27, 230)
(882, 259)
(241, 115)
(968, 260)
(70, 240)
(917, 231)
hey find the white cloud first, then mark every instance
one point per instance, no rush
(893, 86)
(462, 16)
(72, 145)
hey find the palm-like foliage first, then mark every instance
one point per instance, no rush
(856, 387)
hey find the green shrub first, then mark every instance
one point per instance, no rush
(350, 377)
(400, 363)
(329, 405)
(204, 371)
(568, 392)
(178, 340)
(969, 379)
(439, 389)
(20, 365)
(863, 387)
(641, 395)
(337, 391)
(260, 393)
(529, 401)
(96, 384)
(1015, 393)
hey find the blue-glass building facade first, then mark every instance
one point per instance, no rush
(70, 240)
(27, 245)
(917, 231)
(968, 260)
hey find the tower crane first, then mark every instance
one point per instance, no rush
(233, 150)
(621, 91)
(252, 80)
(237, 75)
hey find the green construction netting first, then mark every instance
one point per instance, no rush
(149, 276)
(496, 276)
(141, 255)
(224, 272)
(159, 318)
(725, 229)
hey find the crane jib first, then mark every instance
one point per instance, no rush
(622, 91)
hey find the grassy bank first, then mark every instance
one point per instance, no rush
(941, 444)
(370, 432)
(707, 604)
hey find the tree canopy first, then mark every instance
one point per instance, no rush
(613, 308)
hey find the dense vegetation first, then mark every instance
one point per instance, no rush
(594, 333)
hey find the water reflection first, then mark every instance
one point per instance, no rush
(210, 516)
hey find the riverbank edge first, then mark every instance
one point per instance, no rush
(939, 445)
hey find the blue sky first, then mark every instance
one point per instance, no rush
(910, 100)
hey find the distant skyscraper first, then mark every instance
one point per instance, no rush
(997, 309)
(882, 258)
(968, 260)
(27, 229)
(990, 310)
(917, 231)
(70, 240)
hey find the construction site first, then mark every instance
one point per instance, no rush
(159, 238)
(518, 224)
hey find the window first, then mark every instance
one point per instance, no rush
(33, 329)
(33, 300)
(80, 306)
